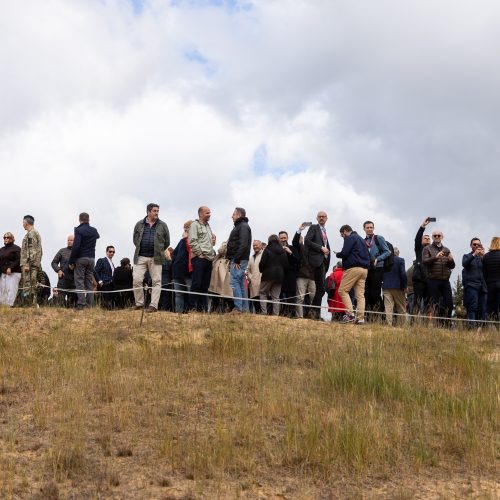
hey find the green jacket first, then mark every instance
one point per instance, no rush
(161, 243)
(31, 249)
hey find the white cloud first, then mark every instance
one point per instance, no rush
(381, 110)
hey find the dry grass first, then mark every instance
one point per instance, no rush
(92, 405)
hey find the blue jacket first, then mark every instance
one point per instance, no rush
(103, 271)
(354, 253)
(472, 272)
(84, 244)
(396, 278)
(378, 251)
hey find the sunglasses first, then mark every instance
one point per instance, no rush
(111, 251)
(437, 235)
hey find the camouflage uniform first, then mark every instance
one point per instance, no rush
(31, 256)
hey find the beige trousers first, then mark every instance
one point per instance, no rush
(354, 277)
(304, 286)
(394, 297)
(143, 264)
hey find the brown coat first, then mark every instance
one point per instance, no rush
(438, 268)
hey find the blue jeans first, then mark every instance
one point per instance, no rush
(237, 282)
(475, 303)
(182, 299)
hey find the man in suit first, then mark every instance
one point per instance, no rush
(103, 274)
(318, 248)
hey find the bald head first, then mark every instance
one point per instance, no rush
(204, 214)
(321, 218)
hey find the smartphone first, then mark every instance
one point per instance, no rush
(307, 224)
(431, 219)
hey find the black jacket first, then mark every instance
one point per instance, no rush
(10, 257)
(84, 244)
(180, 261)
(240, 241)
(166, 274)
(314, 241)
(419, 270)
(122, 278)
(60, 263)
(491, 267)
(273, 263)
(304, 268)
(289, 284)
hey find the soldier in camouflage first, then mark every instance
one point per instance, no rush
(31, 259)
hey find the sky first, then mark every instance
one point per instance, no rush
(377, 110)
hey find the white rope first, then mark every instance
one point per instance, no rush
(281, 302)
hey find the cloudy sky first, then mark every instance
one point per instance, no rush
(386, 110)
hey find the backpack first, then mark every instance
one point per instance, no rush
(389, 261)
(330, 287)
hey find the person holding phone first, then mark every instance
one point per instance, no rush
(439, 263)
(318, 247)
(419, 277)
(475, 289)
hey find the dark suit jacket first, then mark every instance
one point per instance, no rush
(103, 271)
(314, 241)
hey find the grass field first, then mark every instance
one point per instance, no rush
(205, 406)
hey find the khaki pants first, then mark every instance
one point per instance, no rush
(354, 277)
(304, 286)
(394, 297)
(147, 264)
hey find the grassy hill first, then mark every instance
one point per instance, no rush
(205, 406)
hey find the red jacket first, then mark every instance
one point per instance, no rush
(336, 305)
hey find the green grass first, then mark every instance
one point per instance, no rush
(227, 401)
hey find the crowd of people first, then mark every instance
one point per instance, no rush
(368, 281)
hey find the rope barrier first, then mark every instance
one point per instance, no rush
(281, 302)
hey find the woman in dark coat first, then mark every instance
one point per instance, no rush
(182, 270)
(272, 265)
(491, 273)
(122, 280)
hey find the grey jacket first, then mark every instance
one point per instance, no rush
(200, 240)
(162, 241)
